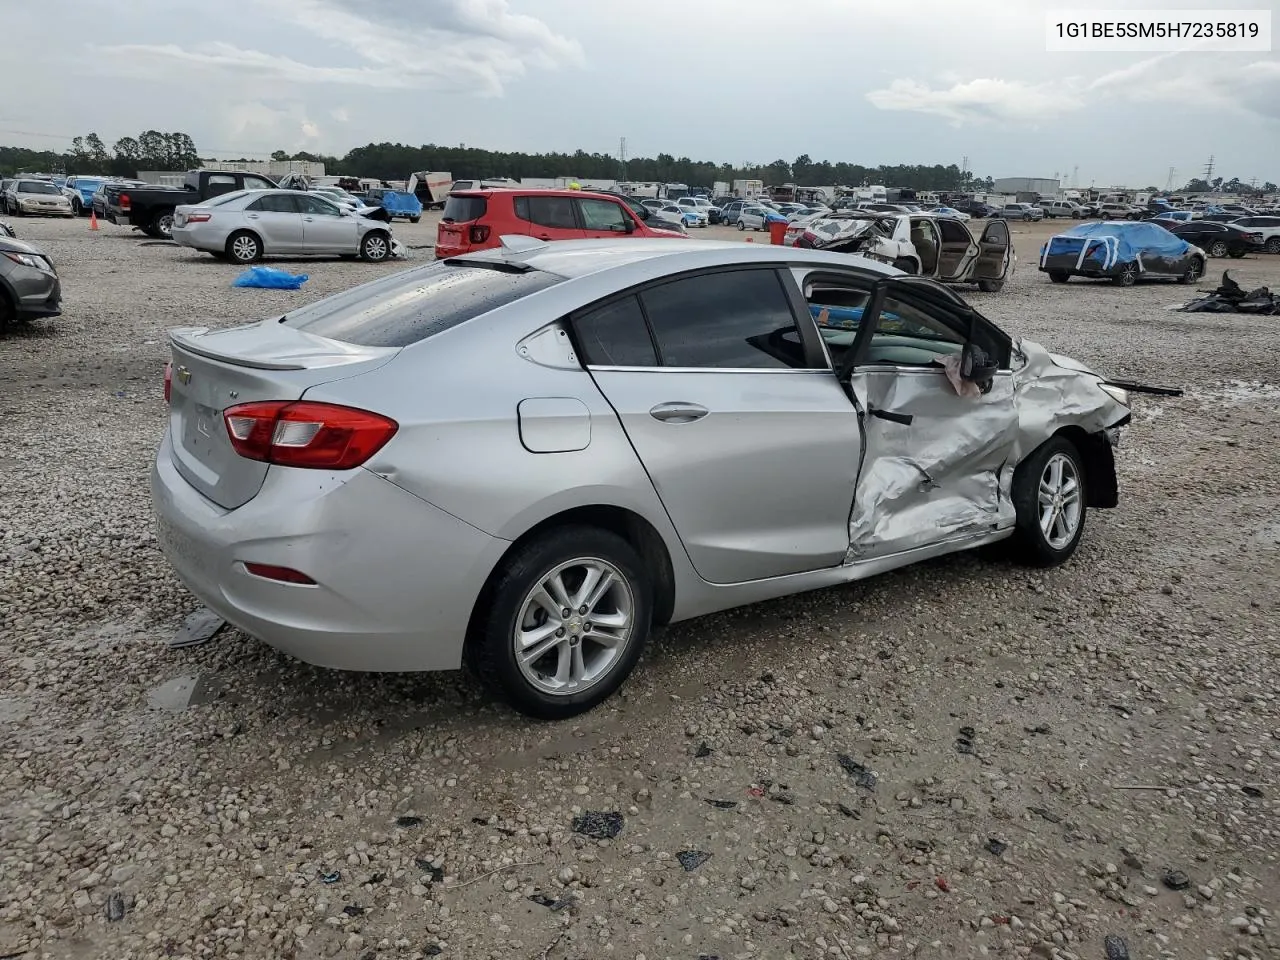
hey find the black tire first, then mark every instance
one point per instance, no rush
(1236, 254)
(905, 264)
(741, 225)
(1127, 276)
(375, 246)
(1104, 216)
(414, 219)
(1026, 217)
(490, 643)
(1194, 271)
(990, 286)
(244, 247)
(77, 208)
(161, 226)
(1031, 546)
(1273, 245)
(1218, 248)
(8, 313)
(1059, 276)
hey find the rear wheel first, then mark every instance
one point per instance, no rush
(1218, 248)
(1059, 276)
(1127, 276)
(1235, 254)
(375, 247)
(414, 219)
(990, 286)
(563, 622)
(162, 226)
(741, 225)
(244, 247)
(1049, 497)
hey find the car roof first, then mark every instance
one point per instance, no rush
(527, 192)
(580, 258)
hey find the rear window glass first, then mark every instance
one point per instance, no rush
(409, 307)
(464, 209)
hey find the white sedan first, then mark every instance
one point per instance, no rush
(951, 213)
(246, 225)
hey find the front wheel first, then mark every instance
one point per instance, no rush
(1059, 276)
(414, 219)
(1273, 245)
(375, 247)
(1194, 271)
(741, 225)
(563, 622)
(1235, 254)
(77, 208)
(1049, 498)
(990, 286)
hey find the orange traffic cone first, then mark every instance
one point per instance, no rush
(93, 220)
(749, 240)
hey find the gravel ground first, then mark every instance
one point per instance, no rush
(1027, 753)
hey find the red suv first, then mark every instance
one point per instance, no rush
(477, 219)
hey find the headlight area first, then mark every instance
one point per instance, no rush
(1119, 394)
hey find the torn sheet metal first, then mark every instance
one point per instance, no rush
(945, 475)
(1053, 392)
(1230, 297)
(198, 627)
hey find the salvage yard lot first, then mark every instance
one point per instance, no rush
(1120, 715)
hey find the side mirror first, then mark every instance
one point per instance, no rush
(629, 225)
(976, 366)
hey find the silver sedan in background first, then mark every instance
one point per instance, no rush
(525, 458)
(246, 225)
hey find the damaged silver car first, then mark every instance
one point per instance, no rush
(529, 457)
(941, 248)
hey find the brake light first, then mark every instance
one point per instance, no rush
(199, 217)
(269, 571)
(300, 433)
(168, 380)
(479, 234)
(124, 201)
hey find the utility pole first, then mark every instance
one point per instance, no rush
(1075, 176)
(1168, 183)
(622, 155)
(1208, 169)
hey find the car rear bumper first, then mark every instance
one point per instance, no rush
(186, 236)
(396, 578)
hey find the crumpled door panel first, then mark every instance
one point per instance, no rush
(948, 474)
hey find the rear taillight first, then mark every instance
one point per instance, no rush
(124, 201)
(168, 380)
(479, 234)
(199, 217)
(300, 433)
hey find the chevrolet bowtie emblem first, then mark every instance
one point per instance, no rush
(184, 375)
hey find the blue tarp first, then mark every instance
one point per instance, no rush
(270, 278)
(401, 204)
(1108, 243)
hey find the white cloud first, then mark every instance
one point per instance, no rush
(977, 100)
(282, 125)
(340, 114)
(1223, 83)
(310, 130)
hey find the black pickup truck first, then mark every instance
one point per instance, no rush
(151, 208)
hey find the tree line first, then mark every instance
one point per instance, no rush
(154, 150)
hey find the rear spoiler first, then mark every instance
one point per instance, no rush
(185, 338)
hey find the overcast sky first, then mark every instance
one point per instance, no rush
(865, 81)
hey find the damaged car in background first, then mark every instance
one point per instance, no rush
(247, 225)
(1121, 252)
(663, 430)
(940, 248)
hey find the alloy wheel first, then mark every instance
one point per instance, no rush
(574, 625)
(1059, 501)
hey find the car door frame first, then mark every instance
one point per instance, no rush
(967, 258)
(989, 250)
(271, 243)
(977, 495)
(630, 223)
(341, 243)
(764, 566)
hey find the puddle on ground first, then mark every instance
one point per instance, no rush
(191, 690)
(1240, 392)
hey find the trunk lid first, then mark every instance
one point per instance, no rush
(214, 370)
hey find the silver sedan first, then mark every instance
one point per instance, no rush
(246, 225)
(526, 458)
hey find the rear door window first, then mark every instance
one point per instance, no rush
(615, 335)
(274, 203)
(409, 307)
(554, 212)
(729, 319)
(220, 183)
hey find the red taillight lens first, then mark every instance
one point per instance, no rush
(124, 201)
(479, 234)
(199, 217)
(168, 380)
(270, 571)
(322, 436)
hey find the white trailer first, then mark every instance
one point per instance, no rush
(431, 187)
(748, 189)
(720, 188)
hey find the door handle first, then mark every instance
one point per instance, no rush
(309, 219)
(251, 216)
(678, 412)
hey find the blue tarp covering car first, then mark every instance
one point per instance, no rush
(1121, 252)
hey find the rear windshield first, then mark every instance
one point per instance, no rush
(408, 307)
(464, 209)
